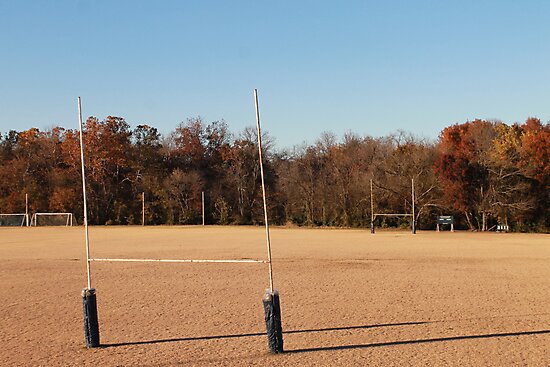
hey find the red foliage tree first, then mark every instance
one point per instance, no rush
(462, 168)
(535, 151)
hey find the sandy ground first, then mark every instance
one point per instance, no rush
(347, 297)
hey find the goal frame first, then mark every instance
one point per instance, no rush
(68, 223)
(24, 222)
(404, 215)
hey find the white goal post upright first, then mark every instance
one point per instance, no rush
(202, 207)
(371, 209)
(268, 240)
(27, 209)
(143, 208)
(413, 195)
(272, 307)
(88, 274)
(89, 301)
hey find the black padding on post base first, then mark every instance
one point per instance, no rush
(91, 323)
(272, 310)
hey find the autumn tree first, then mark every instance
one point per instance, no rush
(148, 173)
(485, 172)
(409, 158)
(243, 175)
(535, 164)
(108, 152)
(462, 167)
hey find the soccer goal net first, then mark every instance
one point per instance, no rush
(52, 219)
(13, 220)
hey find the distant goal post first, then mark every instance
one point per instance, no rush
(411, 214)
(14, 220)
(52, 219)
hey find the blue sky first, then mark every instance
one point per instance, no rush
(371, 67)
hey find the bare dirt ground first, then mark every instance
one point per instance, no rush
(347, 297)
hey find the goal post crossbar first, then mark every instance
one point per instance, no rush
(411, 214)
(53, 214)
(182, 260)
(392, 215)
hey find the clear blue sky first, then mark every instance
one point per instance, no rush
(371, 67)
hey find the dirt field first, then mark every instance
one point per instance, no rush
(347, 297)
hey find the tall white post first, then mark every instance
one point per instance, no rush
(412, 200)
(143, 208)
(263, 190)
(202, 199)
(27, 210)
(84, 196)
(371, 209)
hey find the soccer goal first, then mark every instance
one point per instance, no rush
(14, 220)
(52, 219)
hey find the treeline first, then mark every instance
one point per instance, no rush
(483, 172)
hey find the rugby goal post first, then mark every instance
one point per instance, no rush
(52, 219)
(412, 214)
(14, 220)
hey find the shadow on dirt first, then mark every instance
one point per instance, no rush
(420, 341)
(230, 336)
